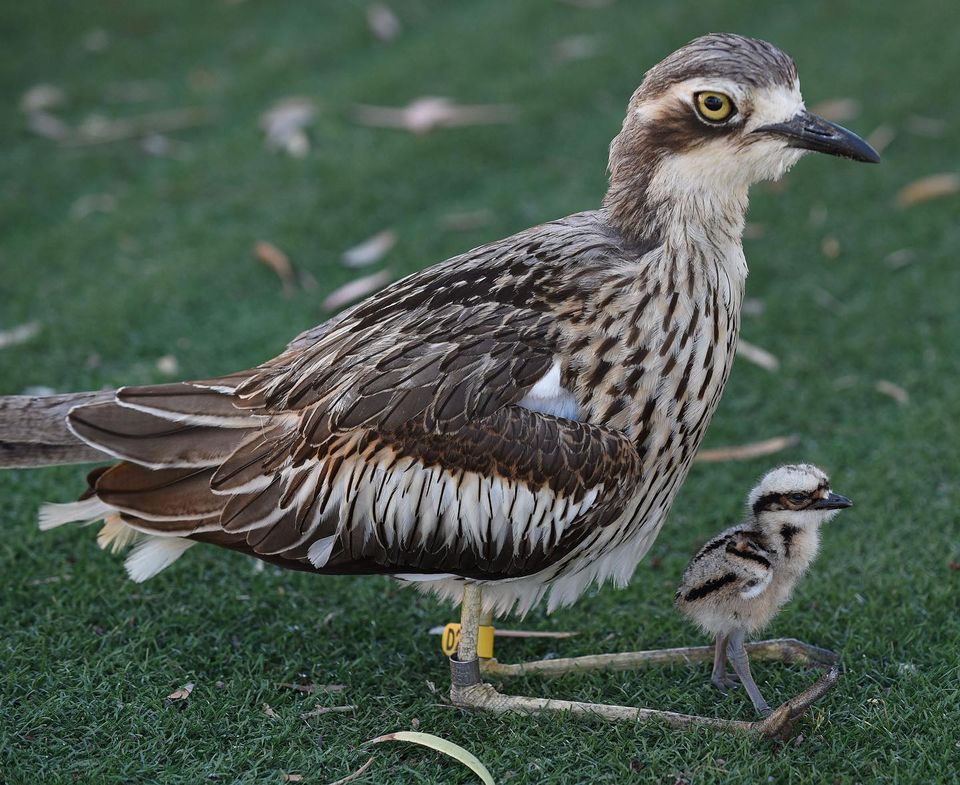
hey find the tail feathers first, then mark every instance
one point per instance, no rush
(83, 512)
(153, 555)
(116, 535)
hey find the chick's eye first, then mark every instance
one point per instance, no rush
(715, 107)
(798, 498)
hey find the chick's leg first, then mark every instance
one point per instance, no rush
(741, 664)
(721, 679)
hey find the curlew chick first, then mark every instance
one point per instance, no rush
(739, 580)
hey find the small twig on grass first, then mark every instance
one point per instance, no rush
(359, 772)
(744, 452)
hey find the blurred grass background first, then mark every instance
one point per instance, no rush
(86, 658)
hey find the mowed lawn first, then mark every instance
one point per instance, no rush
(125, 258)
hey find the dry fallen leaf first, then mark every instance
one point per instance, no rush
(589, 5)
(354, 290)
(383, 23)
(881, 137)
(926, 188)
(753, 307)
(757, 356)
(743, 452)
(284, 124)
(838, 110)
(181, 694)
(99, 129)
(268, 710)
(19, 334)
(88, 204)
(370, 250)
(293, 778)
(930, 127)
(576, 47)
(895, 391)
(900, 258)
(358, 773)
(42, 97)
(279, 262)
(467, 220)
(168, 365)
(429, 113)
(320, 710)
(830, 246)
(455, 751)
(48, 126)
(306, 689)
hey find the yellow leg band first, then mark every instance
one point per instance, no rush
(451, 638)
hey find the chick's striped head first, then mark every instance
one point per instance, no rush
(796, 494)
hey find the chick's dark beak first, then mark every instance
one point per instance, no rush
(808, 131)
(832, 501)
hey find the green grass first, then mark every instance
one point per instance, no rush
(86, 658)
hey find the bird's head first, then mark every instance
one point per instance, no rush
(796, 495)
(714, 117)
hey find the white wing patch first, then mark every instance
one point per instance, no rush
(547, 396)
(759, 588)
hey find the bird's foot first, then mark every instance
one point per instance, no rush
(725, 682)
(778, 723)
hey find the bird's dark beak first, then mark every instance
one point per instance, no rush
(832, 501)
(808, 131)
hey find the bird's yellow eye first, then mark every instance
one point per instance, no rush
(714, 107)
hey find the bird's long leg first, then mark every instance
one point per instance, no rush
(468, 691)
(720, 678)
(741, 664)
(787, 650)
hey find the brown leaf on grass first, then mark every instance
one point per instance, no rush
(900, 258)
(743, 452)
(355, 290)
(424, 115)
(41, 98)
(168, 365)
(370, 250)
(881, 137)
(98, 129)
(467, 220)
(383, 23)
(358, 773)
(284, 125)
(892, 390)
(306, 689)
(49, 126)
(96, 40)
(320, 710)
(830, 247)
(576, 47)
(268, 710)
(181, 694)
(88, 204)
(838, 110)
(279, 262)
(19, 334)
(935, 186)
(753, 306)
(754, 354)
(930, 127)
(588, 5)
